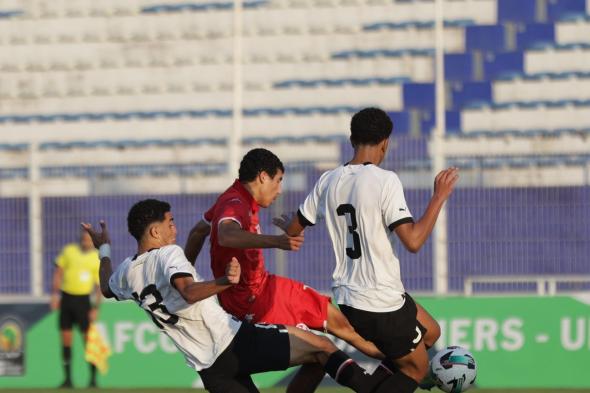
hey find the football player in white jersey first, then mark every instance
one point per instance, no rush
(362, 205)
(223, 350)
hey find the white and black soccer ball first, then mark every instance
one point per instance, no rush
(453, 369)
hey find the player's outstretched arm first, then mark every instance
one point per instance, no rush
(232, 235)
(290, 224)
(193, 291)
(196, 239)
(414, 235)
(105, 271)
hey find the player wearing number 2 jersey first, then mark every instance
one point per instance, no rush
(223, 350)
(362, 205)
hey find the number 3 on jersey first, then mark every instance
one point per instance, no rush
(150, 300)
(349, 212)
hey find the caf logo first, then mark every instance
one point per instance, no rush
(11, 336)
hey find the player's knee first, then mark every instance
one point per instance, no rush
(324, 345)
(432, 335)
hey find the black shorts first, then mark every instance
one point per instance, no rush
(74, 309)
(256, 348)
(395, 333)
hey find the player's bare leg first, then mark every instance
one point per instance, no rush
(339, 326)
(432, 327)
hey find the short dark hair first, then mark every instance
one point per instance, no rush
(143, 213)
(258, 160)
(369, 127)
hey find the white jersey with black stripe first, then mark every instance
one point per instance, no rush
(361, 205)
(202, 330)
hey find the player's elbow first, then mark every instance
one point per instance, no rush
(106, 291)
(413, 246)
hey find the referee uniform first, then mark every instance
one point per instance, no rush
(79, 278)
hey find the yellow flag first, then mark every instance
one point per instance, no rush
(97, 350)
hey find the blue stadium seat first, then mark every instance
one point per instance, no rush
(535, 35)
(558, 9)
(459, 67)
(496, 65)
(517, 11)
(401, 122)
(491, 38)
(197, 7)
(452, 121)
(466, 93)
(418, 96)
(10, 14)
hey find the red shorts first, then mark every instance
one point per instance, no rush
(289, 302)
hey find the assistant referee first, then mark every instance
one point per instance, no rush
(74, 279)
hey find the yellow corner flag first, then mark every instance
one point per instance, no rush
(97, 350)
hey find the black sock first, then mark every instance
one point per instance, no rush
(348, 373)
(67, 359)
(399, 383)
(92, 374)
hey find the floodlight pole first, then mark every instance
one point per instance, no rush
(235, 140)
(35, 224)
(440, 242)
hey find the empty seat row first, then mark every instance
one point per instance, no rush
(523, 117)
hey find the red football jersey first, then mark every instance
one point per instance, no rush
(237, 204)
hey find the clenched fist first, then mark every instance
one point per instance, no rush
(233, 271)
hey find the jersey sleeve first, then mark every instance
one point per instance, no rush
(208, 215)
(234, 209)
(393, 203)
(308, 210)
(118, 282)
(62, 259)
(175, 264)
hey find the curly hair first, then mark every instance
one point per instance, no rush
(259, 160)
(369, 127)
(143, 213)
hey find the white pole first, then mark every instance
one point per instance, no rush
(438, 159)
(235, 142)
(35, 224)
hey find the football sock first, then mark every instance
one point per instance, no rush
(398, 383)
(67, 358)
(348, 373)
(92, 375)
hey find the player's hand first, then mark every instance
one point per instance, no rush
(54, 302)
(98, 238)
(283, 221)
(290, 243)
(445, 181)
(233, 271)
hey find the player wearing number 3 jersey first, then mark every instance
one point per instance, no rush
(222, 349)
(362, 205)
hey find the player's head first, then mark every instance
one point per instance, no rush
(151, 220)
(263, 171)
(370, 126)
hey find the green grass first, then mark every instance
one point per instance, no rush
(276, 390)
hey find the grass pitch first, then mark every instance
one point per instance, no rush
(276, 390)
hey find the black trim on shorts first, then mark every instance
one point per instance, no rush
(396, 224)
(303, 221)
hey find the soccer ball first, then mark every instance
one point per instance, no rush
(453, 369)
